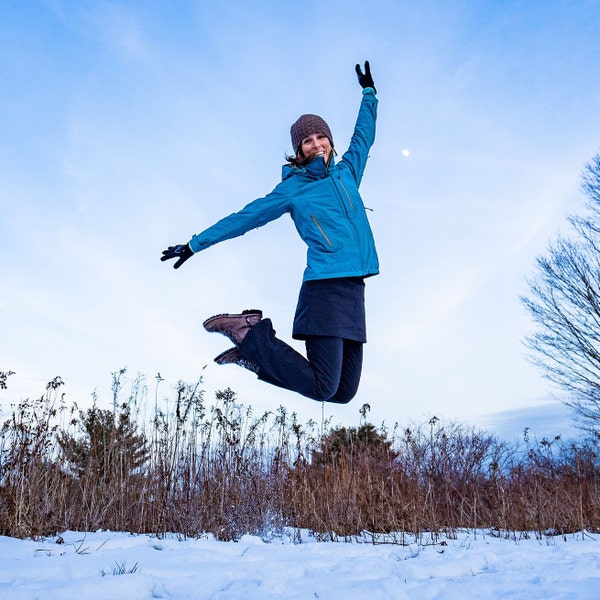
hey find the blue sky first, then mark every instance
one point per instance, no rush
(130, 126)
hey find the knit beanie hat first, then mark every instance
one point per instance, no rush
(307, 125)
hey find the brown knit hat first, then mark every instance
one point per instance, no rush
(307, 125)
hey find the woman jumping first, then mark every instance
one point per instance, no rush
(322, 199)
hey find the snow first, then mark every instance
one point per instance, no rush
(474, 564)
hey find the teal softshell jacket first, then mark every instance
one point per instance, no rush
(324, 204)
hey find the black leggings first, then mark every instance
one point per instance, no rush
(331, 371)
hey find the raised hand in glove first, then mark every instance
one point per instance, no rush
(365, 78)
(182, 252)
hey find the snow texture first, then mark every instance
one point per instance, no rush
(106, 565)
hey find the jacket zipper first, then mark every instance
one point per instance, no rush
(346, 192)
(322, 230)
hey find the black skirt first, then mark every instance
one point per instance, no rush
(331, 307)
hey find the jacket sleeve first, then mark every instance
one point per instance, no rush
(253, 215)
(364, 135)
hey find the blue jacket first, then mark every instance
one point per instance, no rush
(325, 206)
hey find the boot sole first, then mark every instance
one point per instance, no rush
(218, 359)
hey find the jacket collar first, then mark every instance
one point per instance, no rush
(315, 169)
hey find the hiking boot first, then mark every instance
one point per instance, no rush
(235, 327)
(233, 357)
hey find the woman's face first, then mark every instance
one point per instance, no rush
(314, 145)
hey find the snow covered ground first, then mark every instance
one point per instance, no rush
(107, 566)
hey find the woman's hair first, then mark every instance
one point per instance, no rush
(295, 161)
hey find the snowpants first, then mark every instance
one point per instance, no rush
(331, 372)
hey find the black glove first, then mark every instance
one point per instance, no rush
(365, 78)
(182, 252)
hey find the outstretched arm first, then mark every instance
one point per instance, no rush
(364, 130)
(256, 214)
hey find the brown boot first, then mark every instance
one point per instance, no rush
(235, 327)
(233, 357)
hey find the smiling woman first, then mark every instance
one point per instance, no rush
(323, 200)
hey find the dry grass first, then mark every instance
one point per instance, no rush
(220, 469)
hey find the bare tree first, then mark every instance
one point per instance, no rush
(564, 302)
